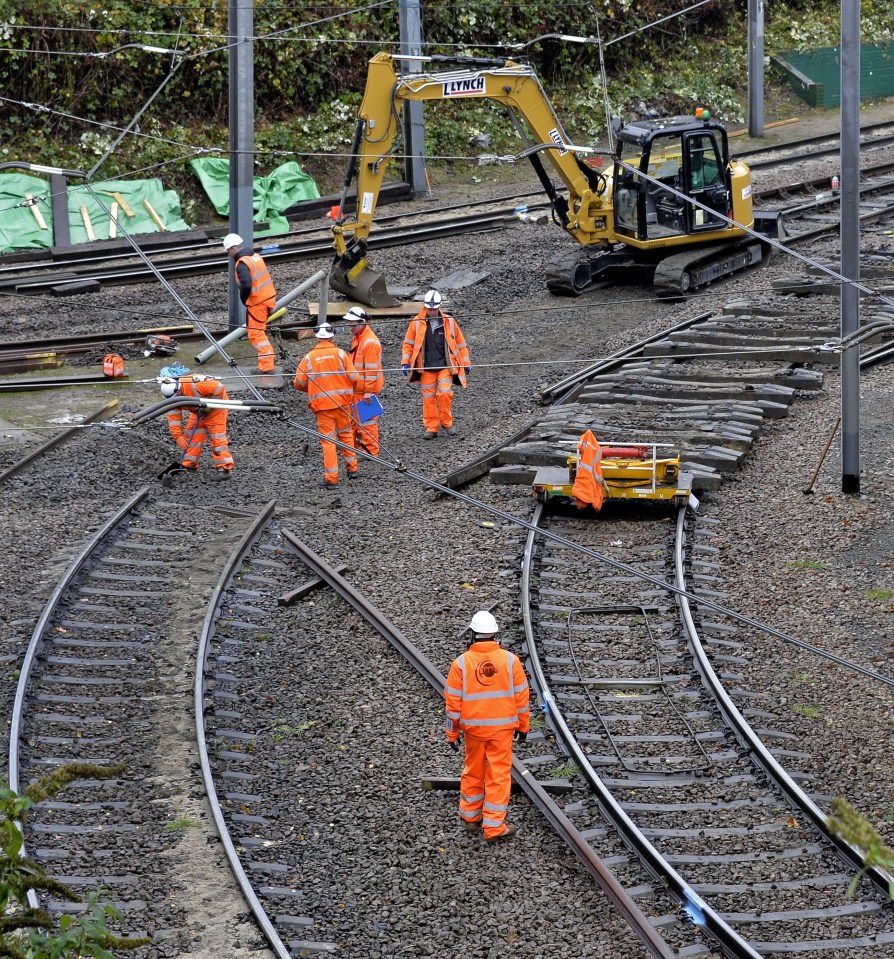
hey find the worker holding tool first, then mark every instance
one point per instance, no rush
(366, 355)
(435, 355)
(257, 292)
(328, 377)
(487, 701)
(199, 425)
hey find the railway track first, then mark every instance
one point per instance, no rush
(643, 697)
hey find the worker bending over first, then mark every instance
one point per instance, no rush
(435, 355)
(487, 701)
(257, 292)
(328, 377)
(191, 426)
(366, 355)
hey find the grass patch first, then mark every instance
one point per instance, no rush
(811, 712)
(182, 822)
(564, 772)
(809, 564)
(882, 595)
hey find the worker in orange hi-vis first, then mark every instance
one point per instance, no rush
(487, 701)
(435, 355)
(199, 424)
(257, 292)
(589, 486)
(328, 377)
(366, 355)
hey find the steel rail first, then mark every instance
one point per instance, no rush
(834, 138)
(39, 284)
(637, 920)
(18, 706)
(55, 441)
(732, 944)
(760, 754)
(208, 630)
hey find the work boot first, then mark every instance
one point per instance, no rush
(220, 475)
(450, 430)
(325, 485)
(354, 475)
(431, 434)
(507, 833)
(471, 825)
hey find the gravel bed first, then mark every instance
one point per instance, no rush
(430, 563)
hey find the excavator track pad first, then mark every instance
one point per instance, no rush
(678, 275)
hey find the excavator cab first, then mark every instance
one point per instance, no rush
(686, 157)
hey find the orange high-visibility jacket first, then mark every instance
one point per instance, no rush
(262, 288)
(486, 691)
(366, 354)
(195, 384)
(588, 485)
(328, 377)
(413, 353)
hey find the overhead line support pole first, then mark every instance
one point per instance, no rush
(410, 16)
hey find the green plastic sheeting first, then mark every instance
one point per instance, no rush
(287, 184)
(166, 204)
(19, 229)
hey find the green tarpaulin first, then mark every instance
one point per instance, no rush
(19, 229)
(287, 184)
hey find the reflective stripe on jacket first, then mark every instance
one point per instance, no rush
(413, 352)
(195, 384)
(262, 288)
(588, 485)
(328, 377)
(366, 354)
(486, 691)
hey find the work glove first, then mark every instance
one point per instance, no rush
(406, 369)
(468, 370)
(183, 444)
(454, 745)
(520, 737)
(368, 398)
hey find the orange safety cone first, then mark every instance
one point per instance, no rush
(333, 212)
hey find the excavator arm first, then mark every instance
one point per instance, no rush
(586, 213)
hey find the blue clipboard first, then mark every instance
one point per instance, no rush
(366, 411)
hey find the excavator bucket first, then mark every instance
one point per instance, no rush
(360, 283)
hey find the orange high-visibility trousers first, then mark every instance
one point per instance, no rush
(211, 425)
(487, 781)
(367, 434)
(437, 399)
(256, 329)
(336, 423)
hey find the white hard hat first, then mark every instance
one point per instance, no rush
(324, 332)
(483, 623)
(433, 300)
(168, 386)
(231, 240)
(357, 315)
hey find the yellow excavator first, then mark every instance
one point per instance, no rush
(660, 204)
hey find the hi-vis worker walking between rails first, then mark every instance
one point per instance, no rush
(366, 355)
(257, 292)
(487, 701)
(190, 435)
(328, 377)
(435, 355)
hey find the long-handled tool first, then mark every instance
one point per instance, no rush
(809, 490)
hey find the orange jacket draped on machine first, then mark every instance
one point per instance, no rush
(588, 488)
(487, 700)
(201, 424)
(258, 293)
(436, 382)
(328, 377)
(366, 354)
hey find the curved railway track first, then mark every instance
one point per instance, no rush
(662, 745)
